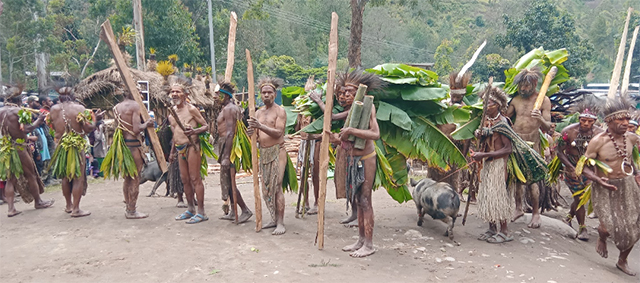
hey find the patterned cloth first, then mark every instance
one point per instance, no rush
(619, 211)
(269, 169)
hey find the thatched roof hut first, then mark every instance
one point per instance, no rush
(104, 89)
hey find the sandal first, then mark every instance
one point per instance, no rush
(499, 238)
(185, 215)
(486, 235)
(197, 219)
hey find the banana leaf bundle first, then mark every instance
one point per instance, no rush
(10, 164)
(68, 156)
(206, 150)
(391, 173)
(290, 179)
(290, 93)
(584, 160)
(585, 196)
(555, 167)
(543, 59)
(241, 150)
(24, 117)
(118, 160)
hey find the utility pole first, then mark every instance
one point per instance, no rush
(212, 47)
(139, 28)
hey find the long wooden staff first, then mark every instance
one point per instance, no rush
(326, 128)
(231, 46)
(627, 69)
(254, 142)
(107, 36)
(615, 76)
(483, 120)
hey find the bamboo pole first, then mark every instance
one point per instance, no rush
(324, 146)
(254, 143)
(545, 86)
(615, 76)
(107, 36)
(139, 28)
(364, 121)
(627, 69)
(231, 46)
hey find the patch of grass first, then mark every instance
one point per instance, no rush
(324, 264)
(214, 272)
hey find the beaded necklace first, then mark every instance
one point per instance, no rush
(622, 153)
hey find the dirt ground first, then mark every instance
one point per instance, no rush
(49, 246)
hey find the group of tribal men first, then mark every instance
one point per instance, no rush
(615, 197)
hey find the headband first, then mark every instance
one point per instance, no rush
(617, 115)
(458, 91)
(633, 122)
(227, 92)
(268, 84)
(587, 114)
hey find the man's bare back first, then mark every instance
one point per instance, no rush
(64, 114)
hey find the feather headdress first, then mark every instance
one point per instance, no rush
(616, 109)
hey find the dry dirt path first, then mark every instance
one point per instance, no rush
(49, 246)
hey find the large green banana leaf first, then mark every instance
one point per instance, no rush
(405, 74)
(395, 115)
(291, 119)
(543, 59)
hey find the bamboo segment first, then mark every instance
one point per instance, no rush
(362, 90)
(254, 144)
(365, 118)
(356, 112)
(326, 127)
(627, 69)
(615, 76)
(545, 86)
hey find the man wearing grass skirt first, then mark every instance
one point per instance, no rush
(226, 120)
(572, 145)
(127, 115)
(269, 123)
(615, 195)
(71, 123)
(22, 175)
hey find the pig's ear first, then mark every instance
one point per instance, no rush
(413, 182)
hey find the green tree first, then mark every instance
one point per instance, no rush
(543, 24)
(285, 67)
(443, 61)
(491, 65)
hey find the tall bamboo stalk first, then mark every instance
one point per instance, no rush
(254, 143)
(615, 76)
(627, 69)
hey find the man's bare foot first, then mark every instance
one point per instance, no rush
(269, 225)
(363, 252)
(353, 223)
(229, 216)
(68, 210)
(622, 265)
(349, 219)
(225, 208)
(13, 213)
(354, 247)
(567, 220)
(312, 211)
(517, 215)
(535, 221)
(584, 234)
(80, 213)
(279, 230)
(244, 217)
(592, 215)
(601, 247)
(181, 204)
(135, 215)
(45, 204)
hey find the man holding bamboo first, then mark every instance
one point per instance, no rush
(572, 145)
(528, 122)
(71, 122)
(187, 144)
(361, 161)
(127, 142)
(615, 195)
(227, 119)
(21, 174)
(270, 124)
